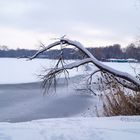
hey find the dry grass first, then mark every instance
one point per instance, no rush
(121, 103)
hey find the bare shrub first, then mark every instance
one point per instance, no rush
(121, 102)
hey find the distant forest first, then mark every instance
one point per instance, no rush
(101, 53)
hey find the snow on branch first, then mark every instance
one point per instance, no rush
(92, 59)
(72, 65)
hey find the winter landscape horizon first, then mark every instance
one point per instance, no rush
(69, 70)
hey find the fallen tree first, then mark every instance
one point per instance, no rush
(124, 79)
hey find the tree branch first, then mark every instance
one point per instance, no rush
(92, 59)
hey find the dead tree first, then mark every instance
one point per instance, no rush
(124, 79)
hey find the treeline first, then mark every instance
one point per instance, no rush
(17, 53)
(101, 53)
(115, 51)
(52, 54)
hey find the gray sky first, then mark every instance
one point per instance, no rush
(25, 23)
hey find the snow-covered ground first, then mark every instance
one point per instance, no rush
(66, 115)
(113, 128)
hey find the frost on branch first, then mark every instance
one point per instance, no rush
(108, 75)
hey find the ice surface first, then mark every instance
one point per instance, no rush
(24, 102)
(22, 71)
(14, 70)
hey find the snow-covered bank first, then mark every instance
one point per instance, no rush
(115, 128)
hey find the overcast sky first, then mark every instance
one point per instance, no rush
(25, 23)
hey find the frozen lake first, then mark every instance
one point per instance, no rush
(21, 96)
(22, 71)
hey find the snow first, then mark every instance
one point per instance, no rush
(112, 128)
(63, 116)
(96, 62)
(100, 65)
(125, 67)
(22, 71)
